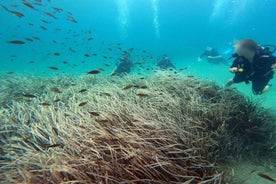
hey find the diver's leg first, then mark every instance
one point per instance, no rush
(266, 85)
(266, 88)
(260, 86)
(229, 83)
(235, 79)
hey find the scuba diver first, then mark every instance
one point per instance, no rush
(123, 66)
(253, 63)
(212, 56)
(165, 63)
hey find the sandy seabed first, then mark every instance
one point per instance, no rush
(164, 128)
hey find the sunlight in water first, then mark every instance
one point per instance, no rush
(155, 17)
(123, 17)
(228, 10)
(217, 9)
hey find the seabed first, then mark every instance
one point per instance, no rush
(163, 128)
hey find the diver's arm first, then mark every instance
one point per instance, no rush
(201, 56)
(234, 67)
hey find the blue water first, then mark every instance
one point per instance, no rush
(181, 29)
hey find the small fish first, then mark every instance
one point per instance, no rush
(45, 104)
(56, 100)
(94, 54)
(89, 39)
(83, 127)
(54, 145)
(42, 27)
(94, 113)
(82, 90)
(127, 87)
(93, 72)
(65, 62)
(72, 19)
(107, 65)
(18, 14)
(72, 50)
(56, 90)
(57, 54)
(266, 177)
(191, 76)
(10, 73)
(50, 15)
(82, 104)
(57, 9)
(28, 95)
(181, 69)
(45, 21)
(53, 68)
(31, 62)
(86, 55)
(16, 42)
(29, 39)
(107, 94)
(143, 87)
(102, 121)
(28, 5)
(142, 95)
(36, 38)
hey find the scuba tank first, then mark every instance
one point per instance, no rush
(268, 50)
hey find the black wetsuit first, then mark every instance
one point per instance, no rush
(165, 63)
(215, 57)
(259, 71)
(123, 68)
(213, 52)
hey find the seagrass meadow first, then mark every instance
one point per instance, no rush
(164, 128)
